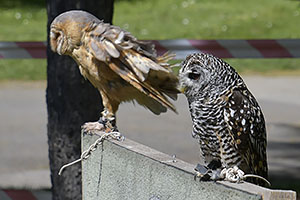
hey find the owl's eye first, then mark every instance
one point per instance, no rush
(57, 35)
(193, 76)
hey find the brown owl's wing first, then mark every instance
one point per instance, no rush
(133, 60)
(246, 125)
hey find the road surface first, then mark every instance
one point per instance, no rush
(23, 126)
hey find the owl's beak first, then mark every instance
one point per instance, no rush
(181, 88)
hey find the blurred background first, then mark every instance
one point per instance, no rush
(274, 82)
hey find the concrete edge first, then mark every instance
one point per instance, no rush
(168, 160)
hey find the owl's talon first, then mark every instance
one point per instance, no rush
(197, 175)
(232, 174)
(102, 124)
(203, 177)
(109, 124)
(89, 127)
(202, 172)
(236, 175)
(205, 173)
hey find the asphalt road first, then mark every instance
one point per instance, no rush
(23, 122)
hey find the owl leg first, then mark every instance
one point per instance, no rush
(107, 121)
(108, 118)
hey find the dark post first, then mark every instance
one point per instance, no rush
(71, 101)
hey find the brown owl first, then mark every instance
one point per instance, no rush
(121, 67)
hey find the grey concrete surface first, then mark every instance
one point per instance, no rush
(23, 121)
(130, 170)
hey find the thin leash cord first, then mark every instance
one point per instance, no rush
(256, 176)
(85, 154)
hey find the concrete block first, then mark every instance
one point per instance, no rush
(128, 170)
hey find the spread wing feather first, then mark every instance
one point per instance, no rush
(141, 86)
(133, 61)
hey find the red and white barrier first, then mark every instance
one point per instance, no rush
(284, 48)
(23, 50)
(25, 195)
(281, 48)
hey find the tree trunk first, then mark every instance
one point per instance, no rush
(71, 101)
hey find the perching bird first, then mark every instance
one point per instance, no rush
(121, 67)
(227, 119)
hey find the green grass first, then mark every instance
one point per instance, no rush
(209, 19)
(21, 69)
(23, 20)
(168, 19)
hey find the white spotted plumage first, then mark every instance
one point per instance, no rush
(227, 119)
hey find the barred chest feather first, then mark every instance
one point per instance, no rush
(209, 128)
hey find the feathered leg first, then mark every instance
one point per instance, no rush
(107, 122)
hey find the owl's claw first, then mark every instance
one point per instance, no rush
(102, 124)
(201, 172)
(204, 173)
(202, 177)
(89, 127)
(236, 175)
(109, 124)
(232, 174)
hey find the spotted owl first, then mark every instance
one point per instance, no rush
(227, 119)
(121, 67)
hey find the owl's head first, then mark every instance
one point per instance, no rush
(66, 30)
(203, 74)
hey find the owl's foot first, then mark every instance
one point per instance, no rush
(236, 175)
(108, 123)
(89, 127)
(102, 124)
(201, 173)
(232, 174)
(204, 173)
